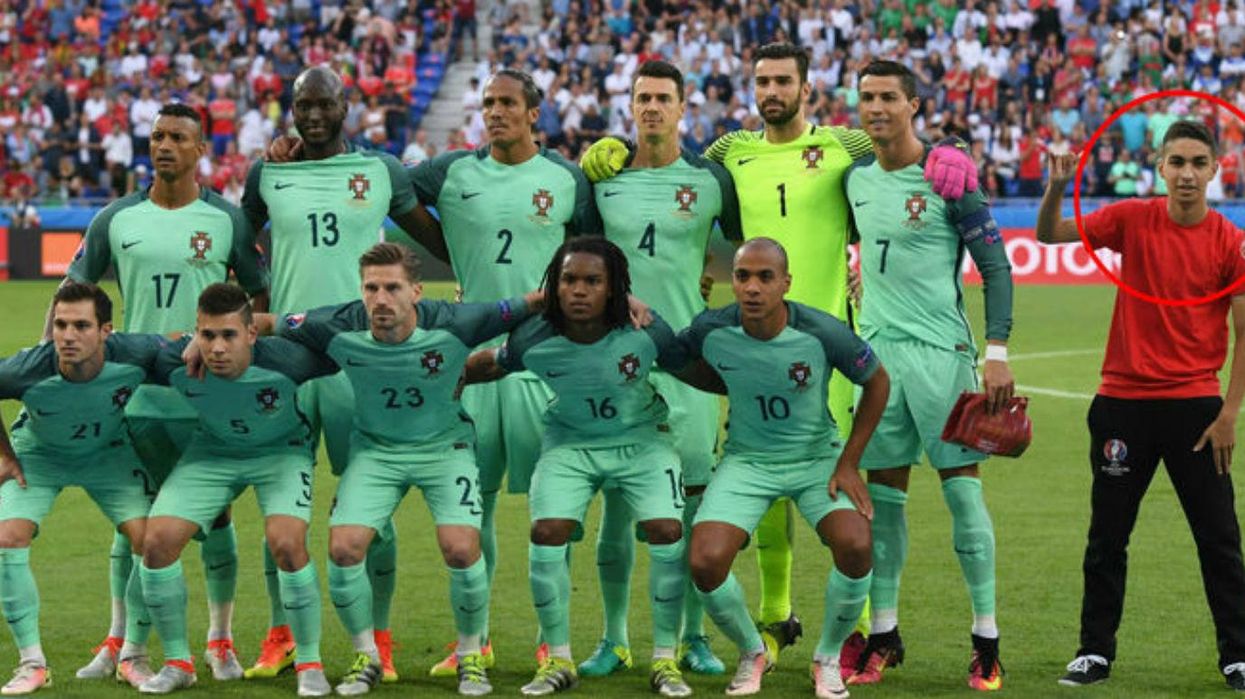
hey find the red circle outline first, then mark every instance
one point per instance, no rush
(1076, 197)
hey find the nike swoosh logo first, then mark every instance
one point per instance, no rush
(347, 604)
(469, 195)
(610, 194)
(846, 620)
(555, 374)
(859, 203)
(745, 161)
(667, 599)
(724, 367)
(17, 619)
(130, 244)
(282, 185)
(464, 610)
(218, 566)
(352, 362)
(539, 605)
(288, 607)
(382, 572)
(44, 413)
(192, 394)
(965, 553)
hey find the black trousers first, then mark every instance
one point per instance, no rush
(1127, 440)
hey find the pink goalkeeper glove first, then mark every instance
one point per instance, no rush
(950, 171)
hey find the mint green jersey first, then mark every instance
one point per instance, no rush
(662, 218)
(502, 223)
(63, 419)
(164, 258)
(255, 411)
(405, 394)
(602, 395)
(778, 387)
(324, 215)
(912, 245)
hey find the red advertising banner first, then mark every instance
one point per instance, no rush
(1036, 263)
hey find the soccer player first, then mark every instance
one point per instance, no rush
(251, 433)
(775, 358)
(1159, 397)
(660, 211)
(912, 243)
(505, 208)
(326, 210)
(71, 432)
(606, 425)
(789, 177)
(167, 244)
(404, 357)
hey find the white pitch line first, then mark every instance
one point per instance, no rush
(1048, 355)
(1055, 393)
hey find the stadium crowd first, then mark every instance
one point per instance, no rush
(82, 79)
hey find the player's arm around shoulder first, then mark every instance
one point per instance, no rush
(1052, 227)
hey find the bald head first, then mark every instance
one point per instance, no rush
(322, 78)
(764, 246)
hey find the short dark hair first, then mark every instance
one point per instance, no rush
(1195, 130)
(532, 94)
(764, 242)
(385, 254)
(221, 299)
(893, 69)
(182, 111)
(659, 69)
(72, 292)
(617, 310)
(779, 50)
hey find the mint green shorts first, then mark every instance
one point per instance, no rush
(925, 383)
(375, 482)
(507, 416)
(113, 477)
(328, 403)
(204, 482)
(160, 442)
(647, 475)
(742, 491)
(694, 419)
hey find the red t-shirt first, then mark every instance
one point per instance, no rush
(1161, 351)
(1083, 51)
(223, 112)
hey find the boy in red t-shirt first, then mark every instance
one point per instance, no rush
(1159, 397)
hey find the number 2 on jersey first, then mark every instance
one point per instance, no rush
(507, 238)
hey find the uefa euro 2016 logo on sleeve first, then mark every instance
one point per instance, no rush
(1116, 452)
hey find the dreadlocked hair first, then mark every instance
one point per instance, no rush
(618, 278)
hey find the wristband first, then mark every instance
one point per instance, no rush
(996, 353)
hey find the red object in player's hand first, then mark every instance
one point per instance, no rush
(1006, 433)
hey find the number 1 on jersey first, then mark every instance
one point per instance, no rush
(782, 199)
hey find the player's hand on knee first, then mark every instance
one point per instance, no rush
(951, 172)
(11, 469)
(996, 377)
(847, 480)
(605, 158)
(1221, 435)
(641, 313)
(284, 149)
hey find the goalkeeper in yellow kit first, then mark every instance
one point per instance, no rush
(789, 179)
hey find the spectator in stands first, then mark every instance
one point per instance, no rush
(1124, 176)
(118, 155)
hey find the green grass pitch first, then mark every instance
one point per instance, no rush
(1039, 504)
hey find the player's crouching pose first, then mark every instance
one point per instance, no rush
(607, 427)
(71, 432)
(250, 433)
(775, 358)
(403, 357)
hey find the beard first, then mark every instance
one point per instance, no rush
(785, 116)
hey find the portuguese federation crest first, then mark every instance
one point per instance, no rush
(542, 199)
(685, 197)
(800, 373)
(811, 156)
(629, 367)
(432, 361)
(359, 186)
(200, 245)
(914, 207)
(267, 399)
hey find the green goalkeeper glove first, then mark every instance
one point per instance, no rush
(605, 158)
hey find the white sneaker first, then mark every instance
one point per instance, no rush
(313, 683)
(747, 678)
(827, 680)
(170, 679)
(135, 671)
(223, 661)
(27, 678)
(104, 664)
